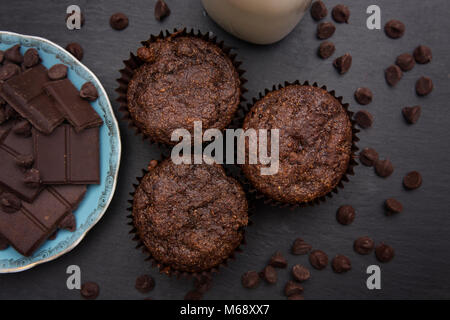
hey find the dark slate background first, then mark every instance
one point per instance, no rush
(420, 235)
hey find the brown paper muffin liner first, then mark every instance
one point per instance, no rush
(255, 195)
(134, 62)
(166, 269)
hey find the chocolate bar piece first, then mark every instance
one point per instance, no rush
(28, 225)
(76, 110)
(24, 93)
(67, 157)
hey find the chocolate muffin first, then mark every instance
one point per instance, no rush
(315, 145)
(184, 79)
(191, 218)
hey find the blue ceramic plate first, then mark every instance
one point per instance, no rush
(98, 197)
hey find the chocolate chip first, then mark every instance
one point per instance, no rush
(152, 165)
(118, 21)
(69, 223)
(32, 178)
(2, 56)
(269, 274)
(89, 92)
(393, 74)
(384, 168)
(76, 50)
(292, 288)
(384, 253)
(318, 10)
(326, 49)
(363, 245)
(393, 206)
(343, 63)
(4, 244)
(161, 10)
(8, 71)
(300, 247)
(90, 290)
(82, 18)
(423, 54)
(412, 180)
(25, 160)
(278, 261)
(296, 297)
(13, 54)
(31, 58)
(203, 283)
(341, 13)
(424, 86)
(405, 61)
(325, 30)
(394, 29)
(193, 295)
(341, 264)
(300, 273)
(363, 96)
(364, 119)
(22, 128)
(345, 215)
(250, 279)
(144, 283)
(57, 72)
(53, 235)
(318, 259)
(10, 203)
(368, 157)
(412, 114)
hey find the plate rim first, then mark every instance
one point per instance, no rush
(119, 156)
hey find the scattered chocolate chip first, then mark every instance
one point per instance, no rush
(2, 56)
(193, 295)
(393, 74)
(405, 61)
(145, 283)
(82, 18)
(363, 96)
(300, 247)
(69, 223)
(325, 30)
(203, 283)
(13, 54)
(345, 215)
(90, 290)
(318, 10)
(118, 21)
(8, 71)
(53, 236)
(364, 119)
(31, 58)
(250, 279)
(278, 261)
(412, 114)
(22, 128)
(343, 63)
(89, 92)
(341, 264)
(152, 164)
(340, 13)
(161, 10)
(296, 297)
(10, 203)
(424, 86)
(326, 49)
(394, 29)
(57, 72)
(25, 160)
(300, 273)
(384, 168)
(4, 244)
(412, 180)
(423, 54)
(32, 178)
(368, 157)
(76, 50)
(363, 245)
(393, 206)
(269, 274)
(384, 253)
(318, 259)
(292, 288)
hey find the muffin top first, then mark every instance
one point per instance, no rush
(314, 147)
(190, 217)
(184, 79)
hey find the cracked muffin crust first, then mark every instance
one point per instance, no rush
(184, 79)
(315, 143)
(190, 217)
